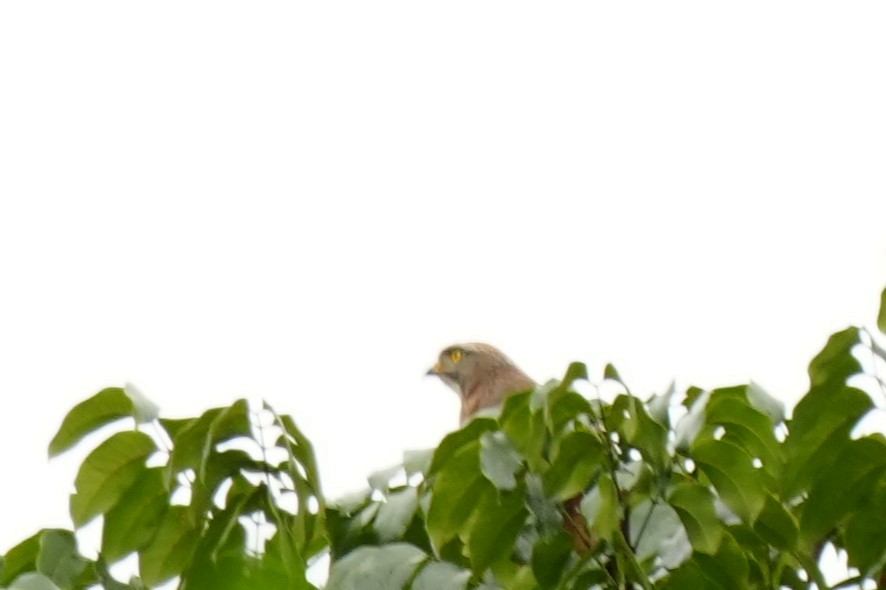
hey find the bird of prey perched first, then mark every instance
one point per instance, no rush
(483, 377)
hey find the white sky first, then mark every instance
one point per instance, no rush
(306, 202)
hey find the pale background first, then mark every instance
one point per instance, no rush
(305, 202)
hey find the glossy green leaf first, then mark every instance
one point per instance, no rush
(745, 426)
(820, 427)
(730, 469)
(611, 373)
(171, 548)
(641, 431)
(728, 569)
(499, 461)
(845, 488)
(108, 405)
(763, 401)
(389, 567)
(108, 472)
(134, 520)
(694, 505)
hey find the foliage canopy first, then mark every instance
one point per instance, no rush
(686, 489)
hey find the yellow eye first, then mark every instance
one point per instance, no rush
(455, 355)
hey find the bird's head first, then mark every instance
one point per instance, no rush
(462, 365)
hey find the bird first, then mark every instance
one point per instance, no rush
(483, 376)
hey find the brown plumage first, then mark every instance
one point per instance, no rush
(483, 377)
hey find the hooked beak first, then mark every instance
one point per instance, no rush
(435, 370)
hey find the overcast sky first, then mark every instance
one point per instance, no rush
(306, 202)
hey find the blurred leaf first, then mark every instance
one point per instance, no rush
(822, 421)
(381, 479)
(499, 462)
(171, 549)
(108, 472)
(745, 426)
(835, 362)
(866, 532)
(601, 508)
(574, 372)
(108, 405)
(495, 528)
(651, 525)
(881, 317)
(761, 400)
(690, 425)
(550, 557)
(641, 431)
(610, 372)
(776, 525)
(694, 504)
(418, 461)
(727, 569)
(219, 467)
(659, 406)
(578, 457)
(441, 576)
(21, 558)
(59, 559)
(395, 514)
(389, 567)
(143, 409)
(455, 442)
(33, 581)
(730, 469)
(844, 488)
(133, 521)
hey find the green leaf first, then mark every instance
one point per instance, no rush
(728, 569)
(578, 457)
(776, 525)
(499, 461)
(107, 473)
(395, 515)
(133, 521)
(601, 508)
(866, 532)
(745, 426)
(730, 469)
(820, 427)
(219, 467)
(108, 405)
(881, 318)
(690, 425)
(574, 372)
(459, 488)
(143, 409)
(652, 525)
(171, 549)
(455, 442)
(33, 581)
(844, 488)
(20, 559)
(495, 528)
(835, 362)
(610, 372)
(418, 461)
(659, 406)
(641, 431)
(58, 558)
(441, 576)
(694, 504)
(389, 567)
(763, 401)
